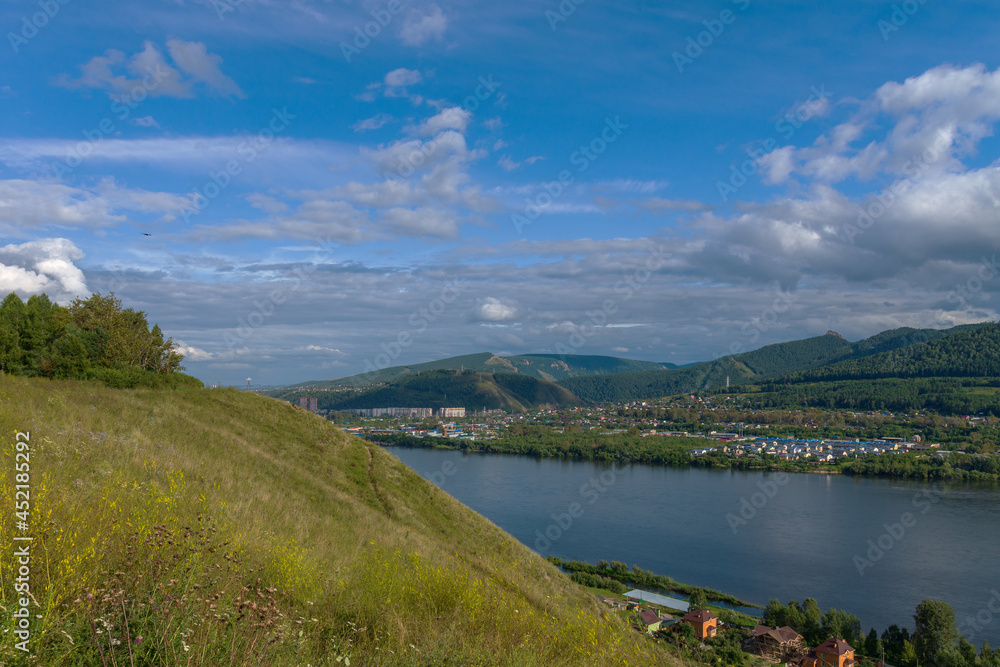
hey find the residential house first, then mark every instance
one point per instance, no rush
(704, 622)
(831, 653)
(778, 643)
(650, 619)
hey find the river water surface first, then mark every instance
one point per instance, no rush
(873, 547)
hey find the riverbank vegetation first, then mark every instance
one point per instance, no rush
(670, 451)
(637, 577)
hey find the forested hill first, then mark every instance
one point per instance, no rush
(92, 339)
(448, 388)
(769, 362)
(969, 352)
(550, 367)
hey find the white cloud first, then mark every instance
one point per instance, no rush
(508, 164)
(492, 309)
(45, 265)
(453, 118)
(402, 77)
(421, 222)
(659, 206)
(145, 121)
(194, 353)
(147, 72)
(946, 109)
(316, 218)
(420, 27)
(26, 203)
(373, 123)
(195, 60)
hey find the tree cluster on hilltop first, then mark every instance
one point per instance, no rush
(94, 338)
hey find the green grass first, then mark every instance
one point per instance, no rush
(214, 527)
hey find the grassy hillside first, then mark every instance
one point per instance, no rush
(541, 366)
(213, 527)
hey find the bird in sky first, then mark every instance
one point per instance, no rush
(145, 234)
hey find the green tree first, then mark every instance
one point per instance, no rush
(698, 599)
(11, 322)
(935, 629)
(69, 358)
(873, 645)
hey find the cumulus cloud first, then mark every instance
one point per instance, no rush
(194, 353)
(45, 265)
(453, 118)
(195, 60)
(947, 109)
(147, 73)
(493, 309)
(421, 27)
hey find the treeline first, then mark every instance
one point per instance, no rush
(815, 627)
(636, 576)
(956, 467)
(581, 447)
(946, 396)
(935, 641)
(92, 339)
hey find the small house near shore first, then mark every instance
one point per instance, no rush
(704, 622)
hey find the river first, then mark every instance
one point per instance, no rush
(873, 547)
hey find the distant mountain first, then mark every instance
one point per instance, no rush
(769, 362)
(455, 388)
(541, 366)
(965, 352)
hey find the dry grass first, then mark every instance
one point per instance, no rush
(213, 527)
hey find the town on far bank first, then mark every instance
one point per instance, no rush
(713, 431)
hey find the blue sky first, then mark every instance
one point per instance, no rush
(506, 177)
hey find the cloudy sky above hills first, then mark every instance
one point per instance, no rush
(305, 190)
